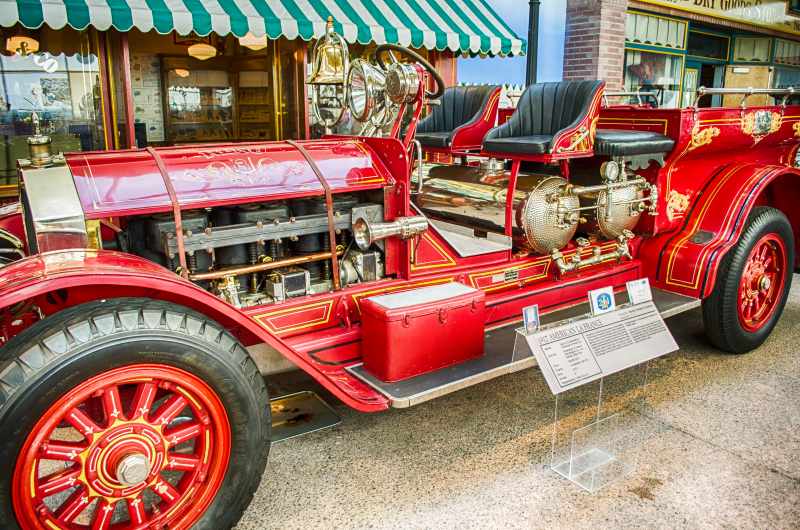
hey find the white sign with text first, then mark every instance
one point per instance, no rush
(582, 351)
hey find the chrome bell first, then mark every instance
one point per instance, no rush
(331, 59)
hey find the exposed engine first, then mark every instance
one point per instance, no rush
(260, 253)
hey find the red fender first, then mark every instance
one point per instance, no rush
(686, 261)
(84, 275)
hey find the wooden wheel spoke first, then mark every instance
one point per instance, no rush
(85, 425)
(62, 451)
(166, 491)
(171, 408)
(112, 405)
(136, 510)
(58, 482)
(103, 513)
(142, 400)
(182, 433)
(73, 506)
(177, 462)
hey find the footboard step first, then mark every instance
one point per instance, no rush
(498, 358)
(300, 413)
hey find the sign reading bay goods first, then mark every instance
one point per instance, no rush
(772, 14)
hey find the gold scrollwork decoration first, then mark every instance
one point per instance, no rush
(677, 204)
(796, 129)
(701, 137)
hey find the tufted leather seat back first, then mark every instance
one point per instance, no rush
(459, 105)
(547, 108)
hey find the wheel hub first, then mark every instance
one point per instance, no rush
(764, 283)
(133, 469)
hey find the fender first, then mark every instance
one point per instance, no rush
(78, 276)
(687, 260)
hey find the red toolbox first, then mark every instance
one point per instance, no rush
(413, 332)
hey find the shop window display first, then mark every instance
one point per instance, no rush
(654, 72)
(59, 82)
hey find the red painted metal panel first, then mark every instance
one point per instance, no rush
(128, 182)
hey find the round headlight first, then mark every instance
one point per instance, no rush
(366, 88)
(402, 83)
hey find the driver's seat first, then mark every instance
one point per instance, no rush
(458, 124)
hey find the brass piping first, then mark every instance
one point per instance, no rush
(260, 267)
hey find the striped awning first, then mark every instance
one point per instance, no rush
(468, 26)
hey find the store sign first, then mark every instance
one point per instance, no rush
(773, 14)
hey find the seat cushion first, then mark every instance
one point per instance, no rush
(434, 139)
(520, 145)
(614, 142)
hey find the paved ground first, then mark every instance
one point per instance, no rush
(727, 454)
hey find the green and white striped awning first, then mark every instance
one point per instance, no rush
(468, 26)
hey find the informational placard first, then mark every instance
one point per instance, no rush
(639, 291)
(582, 351)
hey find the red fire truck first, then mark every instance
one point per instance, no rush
(136, 285)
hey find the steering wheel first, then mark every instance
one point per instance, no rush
(389, 48)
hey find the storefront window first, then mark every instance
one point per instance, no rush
(654, 72)
(752, 49)
(786, 77)
(60, 83)
(200, 105)
(708, 46)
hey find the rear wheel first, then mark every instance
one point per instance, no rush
(129, 414)
(752, 284)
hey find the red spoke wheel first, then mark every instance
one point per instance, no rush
(752, 283)
(164, 461)
(761, 283)
(107, 433)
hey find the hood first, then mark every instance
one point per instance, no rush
(111, 183)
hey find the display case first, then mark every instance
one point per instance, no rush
(199, 105)
(222, 99)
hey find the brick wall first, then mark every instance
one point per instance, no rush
(594, 47)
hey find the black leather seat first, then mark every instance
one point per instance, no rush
(544, 110)
(460, 106)
(615, 142)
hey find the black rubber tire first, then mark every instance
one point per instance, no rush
(144, 331)
(720, 313)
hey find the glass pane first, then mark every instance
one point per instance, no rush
(200, 105)
(751, 49)
(705, 45)
(654, 72)
(62, 87)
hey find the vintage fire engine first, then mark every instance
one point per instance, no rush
(140, 287)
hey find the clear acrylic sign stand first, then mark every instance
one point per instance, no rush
(599, 428)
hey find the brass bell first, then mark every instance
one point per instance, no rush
(331, 59)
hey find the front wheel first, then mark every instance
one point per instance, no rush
(752, 283)
(129, 414)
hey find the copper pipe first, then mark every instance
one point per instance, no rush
(260, 267)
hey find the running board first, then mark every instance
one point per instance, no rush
(497, 359)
